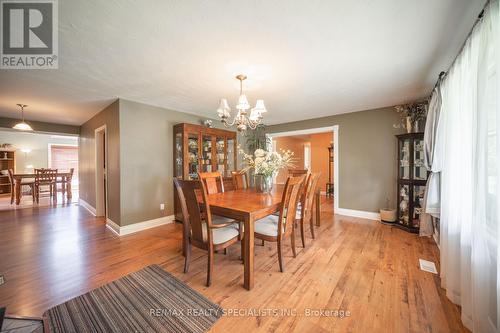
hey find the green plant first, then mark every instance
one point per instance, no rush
(257, 139)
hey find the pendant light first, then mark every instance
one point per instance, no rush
(22, 126)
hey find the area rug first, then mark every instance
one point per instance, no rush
(150, 300)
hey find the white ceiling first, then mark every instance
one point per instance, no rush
(306, 58)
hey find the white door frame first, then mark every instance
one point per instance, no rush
(101, 195)
(336, 157)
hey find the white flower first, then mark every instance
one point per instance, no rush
(260, 153)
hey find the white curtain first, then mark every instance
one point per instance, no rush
(467, 153)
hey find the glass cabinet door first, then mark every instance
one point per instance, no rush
(206, 153)
(419, 170)
(220, 143)
(193, 148)
(404, 159)
(418, 200)
(178, 156)
(230, 156)
(404, 204)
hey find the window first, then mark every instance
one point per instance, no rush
(63, 158)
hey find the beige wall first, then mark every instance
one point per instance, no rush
(110, 117)
(147, 159)
(367, 155)
(296, 145)
(319, 156)
(42, 127)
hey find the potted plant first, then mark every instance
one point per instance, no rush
(411, 115)
(387, 215)
(265, 166)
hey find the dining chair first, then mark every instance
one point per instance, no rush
(200, 229)
(45, 177)
(240, 180)
(64, 182)
(274, 228)
(213, 181)
(305, 213)
(24, 182)
(297, 172)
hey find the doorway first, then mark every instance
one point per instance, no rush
(101, 188)
(304, 135)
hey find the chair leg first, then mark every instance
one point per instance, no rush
(242, 258)
(312, 228)
(263, 243)
(225, 251)
(32, 186)
(280, 256)
(210, 266)
(292, 239)
(187, 258)
(12, 195)
(302, 233)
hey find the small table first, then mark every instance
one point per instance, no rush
(65, 179)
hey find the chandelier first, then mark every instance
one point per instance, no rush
(242, 119)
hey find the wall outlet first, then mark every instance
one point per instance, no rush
(162, 206)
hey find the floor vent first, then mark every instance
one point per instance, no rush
(428, 266)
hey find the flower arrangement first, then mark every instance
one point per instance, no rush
(411, 114)
(267, 163)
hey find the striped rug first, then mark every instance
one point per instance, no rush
(150, 300)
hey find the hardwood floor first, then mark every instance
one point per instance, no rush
(371, 270)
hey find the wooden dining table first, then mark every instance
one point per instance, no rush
(63, 177)
(248, 206)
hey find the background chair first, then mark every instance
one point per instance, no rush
(297, 172)
(305, 214)
(24, 182)
(240, 180)
(212, 181)
(64, 183)
(275, 228)
(45, 177)
(199, 228)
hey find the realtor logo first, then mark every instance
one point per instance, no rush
(29, 38)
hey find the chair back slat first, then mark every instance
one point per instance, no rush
(45, 175)
(212, 181)
(297, 172)
(190, 206)
(240, 180)
(11, 177)
(310, 192)
(289, 201)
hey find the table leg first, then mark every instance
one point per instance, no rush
(68, 188)
(18, 191)
(318, 208)
(249, 253)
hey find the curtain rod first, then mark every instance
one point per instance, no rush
(444, 73)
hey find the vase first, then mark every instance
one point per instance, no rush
(263, 183)
(408, 125)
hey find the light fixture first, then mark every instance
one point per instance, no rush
(22, 126)
(242, 119)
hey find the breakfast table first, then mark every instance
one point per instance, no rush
(61, 177)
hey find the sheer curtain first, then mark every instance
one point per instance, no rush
(467, 152)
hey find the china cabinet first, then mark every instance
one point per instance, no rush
(201, 149)
(412, 177)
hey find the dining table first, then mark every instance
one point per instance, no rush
(62, 177)
(248, 206)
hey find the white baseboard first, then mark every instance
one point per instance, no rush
(87, 206)
(136, 227)
(358, 213)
